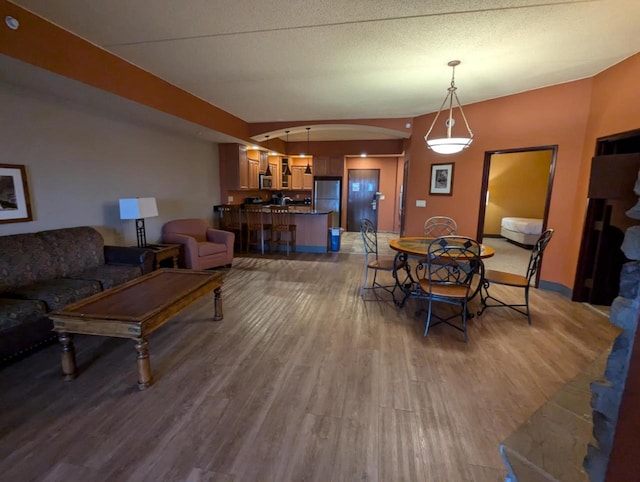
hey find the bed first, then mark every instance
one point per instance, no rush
(523, 231)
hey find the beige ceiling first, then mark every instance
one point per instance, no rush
(320, 60)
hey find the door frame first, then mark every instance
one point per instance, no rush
(377, 194)
(403, 196)
(620, 143)
(485, 186)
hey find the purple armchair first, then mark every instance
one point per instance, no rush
(203, 246)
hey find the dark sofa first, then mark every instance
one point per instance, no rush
(45, 271)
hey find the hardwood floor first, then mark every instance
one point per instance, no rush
(302, 380)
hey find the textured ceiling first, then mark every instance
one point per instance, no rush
(317, 60)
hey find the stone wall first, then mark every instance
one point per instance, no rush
(607, 394)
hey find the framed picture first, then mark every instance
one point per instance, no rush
(15, 206)
(441, 179)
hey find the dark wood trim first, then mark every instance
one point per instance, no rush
(602, 141)
(485, 185)
(483, 194)
(580, 291)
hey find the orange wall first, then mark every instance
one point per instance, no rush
(571, 115)
(615, 108)
(388, 187)
(518, 184)
(543, 117)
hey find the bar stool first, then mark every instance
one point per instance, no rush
(231, 220)
(256, 226)
(282, 224)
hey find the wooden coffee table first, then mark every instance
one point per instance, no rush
(134, 310)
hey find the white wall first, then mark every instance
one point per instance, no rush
(79, 162)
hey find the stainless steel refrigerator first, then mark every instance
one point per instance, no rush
(327, 196)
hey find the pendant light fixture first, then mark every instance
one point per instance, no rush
(287, 171)
(308, 169)
(268, 171)
(450, 145)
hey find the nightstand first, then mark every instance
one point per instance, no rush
(163, 252)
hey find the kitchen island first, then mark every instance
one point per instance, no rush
(312, 227)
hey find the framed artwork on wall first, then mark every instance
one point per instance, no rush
(15, 206)
(441, 179)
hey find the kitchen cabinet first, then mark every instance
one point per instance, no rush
(299, 180)
(307, 182)
(328, 166)
(274, 167)
(264, 161)
(297, 177)
(254, 174)
(237, 171)
(243, 172)
(285, 181)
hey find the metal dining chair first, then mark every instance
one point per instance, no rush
(373, 260)
(437, 226)
(515, 280)
(446, 275)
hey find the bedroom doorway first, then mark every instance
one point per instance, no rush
(516, 183)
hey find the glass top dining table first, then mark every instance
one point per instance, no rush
(418, 245)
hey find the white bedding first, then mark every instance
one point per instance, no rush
(523, 225)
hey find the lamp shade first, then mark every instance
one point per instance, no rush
(449, 145)
(138, 208)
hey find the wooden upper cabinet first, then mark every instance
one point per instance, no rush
(299, 180)
(276, 174)
(264, 161)
(297, 177)
(336, 166)
(321, 166)
(254, 174)
(328, 166)
(253, 154)
(307, 181)
(243, 169)
(234, 167)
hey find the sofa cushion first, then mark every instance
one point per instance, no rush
(14, 312)
(207, 249)
(73, 250)
(59, 292)
(109, 275)
(24, 259)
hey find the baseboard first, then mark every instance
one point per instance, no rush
(556, 287)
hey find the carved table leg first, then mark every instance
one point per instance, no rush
(217, 303)
(68, 356)
(144, 364)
